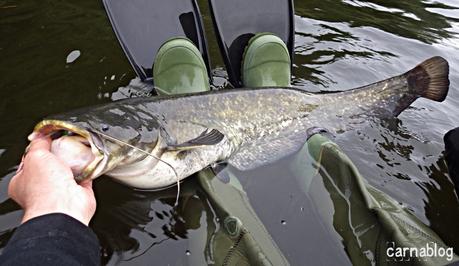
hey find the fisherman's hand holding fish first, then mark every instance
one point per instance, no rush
(45, 184)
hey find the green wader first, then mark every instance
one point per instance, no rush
(371, 223)
(241, 238)
(368, 220)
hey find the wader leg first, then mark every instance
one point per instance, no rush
(237, 21)
(451, 140)
(266, 62)
(240, 238)
(179, 68)
(369, 221)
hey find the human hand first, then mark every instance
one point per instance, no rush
(44, 184)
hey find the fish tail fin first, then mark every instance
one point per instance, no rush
(430, 79)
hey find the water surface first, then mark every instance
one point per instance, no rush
(60, 55)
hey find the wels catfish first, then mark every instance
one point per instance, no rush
(152, 142)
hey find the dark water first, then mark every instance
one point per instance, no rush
(59, 55)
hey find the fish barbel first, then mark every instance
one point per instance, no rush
(149, 142)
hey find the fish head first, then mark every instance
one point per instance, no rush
(92, 149)
(73, 138)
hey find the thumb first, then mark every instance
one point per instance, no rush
(43, 143)
(87, 184)
(13, 186)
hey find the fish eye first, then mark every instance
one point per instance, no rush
(105, 127)
(182, 154)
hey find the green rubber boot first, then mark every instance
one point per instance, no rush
(179, 68)
(266, 62)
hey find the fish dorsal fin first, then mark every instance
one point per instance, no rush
(207, 138)
(264, 152)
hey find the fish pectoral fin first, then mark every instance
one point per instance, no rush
(207, 138)
(266, 152)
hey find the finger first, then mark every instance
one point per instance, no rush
(86, 183)
(12, 186)
(39, 144)
(34, 135)
(21, 165)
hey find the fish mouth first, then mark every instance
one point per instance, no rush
(57, 128)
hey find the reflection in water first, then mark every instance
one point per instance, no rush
(441, 203)
(410, 19)
(6, 207)
(330, 31)
(339, 45)
(366, 218)
(213, 224)
(131, 223)
(320, 44)
(396, 159)
(394, 144)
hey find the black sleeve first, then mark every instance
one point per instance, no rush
(451, 140)
(52, 239)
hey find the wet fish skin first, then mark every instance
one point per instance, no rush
(258, 126)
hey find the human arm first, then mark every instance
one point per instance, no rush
(57, 211)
